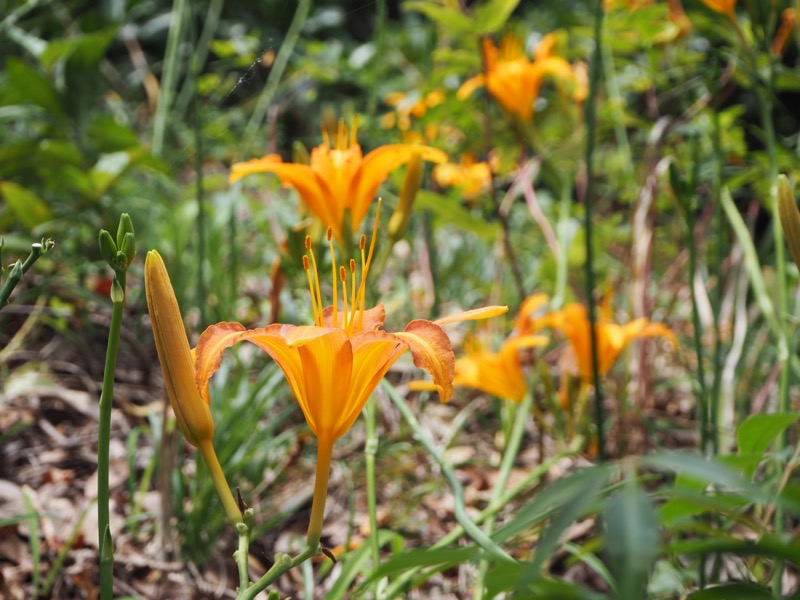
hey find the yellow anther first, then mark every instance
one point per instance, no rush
(353, 266)
(308, 242)
(343, 275)
(330, 233)
(362, 243)
(306, 264)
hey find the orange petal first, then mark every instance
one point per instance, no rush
(312, 189)
(270, 339)
(475, 314)
(530, 305)
(208, 353)
(469, 86)
(374, 353)
(327, 367)
(432, 352)
(376, 168)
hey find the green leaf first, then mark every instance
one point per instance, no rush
(452, 18)
(757, 432)
(584, 483)
(357, 562)
(110, 136)
(28, 208)
(445, 210)
(700, 469)
(740, 590)
(86, 49)
(27, 86)
(491, 16)
(632, 538)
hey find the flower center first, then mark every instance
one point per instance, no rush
(353, 296)
(340, 138)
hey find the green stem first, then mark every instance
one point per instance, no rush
(702, 395)
(562, 230)
(201, 209)
(278, 67)
(20, 268)
(509, 458)
(472, 530)
(595, 75)
(370, 450)
(765, 105)
(283, 562)
(169, 76)
(103, 441)
(241, 554)
(532, 478)
(220, 483)
(380, 55)
(716, 297)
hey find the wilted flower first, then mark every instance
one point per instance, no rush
(339, 179)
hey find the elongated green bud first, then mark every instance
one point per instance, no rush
(128, 247)
(108, 249)
(125, 228)
(790, 217)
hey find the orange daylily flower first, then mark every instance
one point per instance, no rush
(788, 20)
(514, 80)
(573, 322)
(472, 176)
(339, 178)
(335, 364)
(500, 373)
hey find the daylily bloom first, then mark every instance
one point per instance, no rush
(339, 179)
(188, 395)
(335, 364)
(573, 322)
(500, 373)
(471, 176)
(512, 78)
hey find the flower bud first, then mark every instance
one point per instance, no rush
(192, 413)
(790, 217)
(125, 228)
(128, 246)
(108, 249)
(402, 214)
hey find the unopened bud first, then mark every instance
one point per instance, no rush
(128, 246)
(402, 214)
(790, 217)
(125, 227)
(108, 249)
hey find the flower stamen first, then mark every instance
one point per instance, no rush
(333, 277)
(316, 294)
(343, 278)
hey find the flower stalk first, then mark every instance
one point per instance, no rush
(119, 255)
